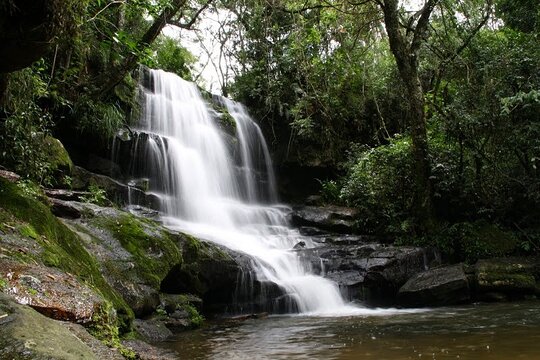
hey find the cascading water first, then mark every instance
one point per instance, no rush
(202, 191)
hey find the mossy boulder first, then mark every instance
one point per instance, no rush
(134, 254)
(141, 258)
(57, 157)
(30, 233)
(513, 277)
(26, 334)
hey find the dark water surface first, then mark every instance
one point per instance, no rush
(483, 331)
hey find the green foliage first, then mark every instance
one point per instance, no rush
(96, 195)
(195, 317)
(3, 284)
(167, 54)
(522, 15)
(25, 126)
(315, 76)
(104, 328)
(330, 191)
(98, 118)
(379, 184)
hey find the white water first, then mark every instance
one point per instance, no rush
(201, 192)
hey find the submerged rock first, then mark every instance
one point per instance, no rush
(447, 285)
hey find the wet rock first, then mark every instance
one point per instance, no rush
(124, 271)
(446, 285)
(372, 273)
(116, 191)
(65, 209)
(140, 259)
(171, 302)
(66, 195)
(104, 166)
(332, 218)
(146, 351)
(514, 277)
(26, 334)
(53, 293)
(314, 200)
(152, 330)
(299, 245)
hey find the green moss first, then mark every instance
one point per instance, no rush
(28, 231)
(103, 327)
(57, 156)
(154, 250)
(61, 247)
(3, 284)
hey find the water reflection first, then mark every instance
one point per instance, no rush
(487, 331)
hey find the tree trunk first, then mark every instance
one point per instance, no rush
(422, 202)
(405, 52)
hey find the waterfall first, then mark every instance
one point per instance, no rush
(204, 188)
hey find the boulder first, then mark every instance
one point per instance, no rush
(65, 209)
(57, 156)
(447, 285)
(9, 175)
(66, 195)
(144, 351)
(141, 258)
(26, 334)
(56, 294)
(371, 273)
(512, 277)
(331, 218)
(152, 330)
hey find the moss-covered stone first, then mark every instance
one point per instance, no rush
(512, 276)
(154, 250)
(58, 246)
(26, 334)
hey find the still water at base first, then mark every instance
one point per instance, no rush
(483, 331)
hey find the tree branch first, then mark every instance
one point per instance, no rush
(194, 18)
(422, 24)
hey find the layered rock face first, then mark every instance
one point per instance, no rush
(102, 267)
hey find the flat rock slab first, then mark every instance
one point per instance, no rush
(56, 294)
(440, 286)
